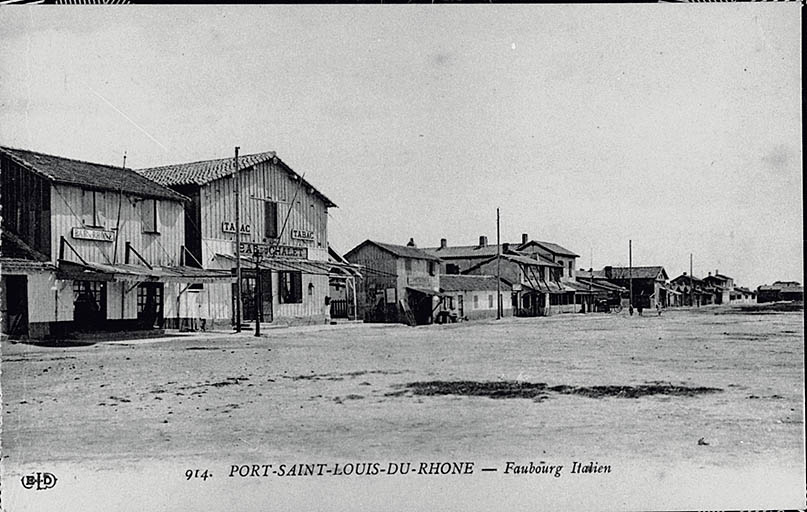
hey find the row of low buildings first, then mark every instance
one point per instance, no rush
(93, 247)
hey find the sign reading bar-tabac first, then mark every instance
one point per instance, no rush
(271, 250)
(100, 235)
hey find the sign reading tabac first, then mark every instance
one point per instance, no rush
(100, 235)
(271, 250)
(229, 227)
(300, 234)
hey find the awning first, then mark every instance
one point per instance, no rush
(138, 273)
(426, 291)
(314, 267)
(546, 287)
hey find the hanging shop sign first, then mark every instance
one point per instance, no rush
(299, 234)
(99, 235)
(271, 250)
(229, 227)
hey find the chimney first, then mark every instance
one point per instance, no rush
(505, 247)
(411, 243)
(483, 241)
(524, 238)
(710, 274)
(607, 270)
(685, 273)
(716, 272)
(443, 243)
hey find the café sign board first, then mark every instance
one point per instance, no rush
(99, 235)
(272, 250)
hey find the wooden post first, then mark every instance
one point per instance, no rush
(498, 269)
(237, 246)
(630, 275)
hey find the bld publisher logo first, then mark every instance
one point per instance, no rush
(39, 481)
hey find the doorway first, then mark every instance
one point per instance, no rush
(15, 321)
(89, 307)
(150, 305)
(249, 306)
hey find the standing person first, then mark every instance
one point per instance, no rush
(658, 308)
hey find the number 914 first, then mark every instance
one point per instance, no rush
(198, 473)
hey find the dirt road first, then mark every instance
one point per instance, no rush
(622, 391)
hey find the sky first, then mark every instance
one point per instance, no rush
(675, 126)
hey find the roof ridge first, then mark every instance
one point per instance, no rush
(66, 158)
(208, 160)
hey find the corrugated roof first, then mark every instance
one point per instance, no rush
(469, 282)
(635, 272)
(402, 251)
(205, 171)
(90, 175)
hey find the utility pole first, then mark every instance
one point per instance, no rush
(630, 275)
(237, 245)
(498, 269)
(691, 283)
(258, 292)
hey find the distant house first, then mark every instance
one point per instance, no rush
(401, 282)
(742, 295)
(474, 296)
(648, 284)
(780, 291)
(722, 285)
(460, 258)
(536, 286)
(693, 291)
(343, 281)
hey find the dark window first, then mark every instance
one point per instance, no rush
(92, 208)
(490, 301)
(148, 215)
(408, 265)
(93, 288)
(451, 268)
(270, 220)
(291, 287)
(431, 268)
(570, 269)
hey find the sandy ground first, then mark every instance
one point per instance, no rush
(119, 423)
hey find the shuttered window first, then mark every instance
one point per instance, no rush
(92, 208)
(148, 215)
(270, 220)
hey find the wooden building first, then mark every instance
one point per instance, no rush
(90, 247)
(648, 284)
(536, 286)
(781, 291)
(285, 268)
(401, 283)
(460, 258)
(722, 285)
(471, 297)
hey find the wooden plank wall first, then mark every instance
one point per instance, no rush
(26, 204)
(161, 249)
(265, 181)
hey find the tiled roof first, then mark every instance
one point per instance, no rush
(635, 272)
(459, 283)
(555, 248)
(467, 251)
(402, 251)
(595, 274)
(89, 175)
(686, 278)
(476, 251)
(205, 171)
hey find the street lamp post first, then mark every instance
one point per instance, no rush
(258, 295)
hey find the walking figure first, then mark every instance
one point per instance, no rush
(658, 308)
